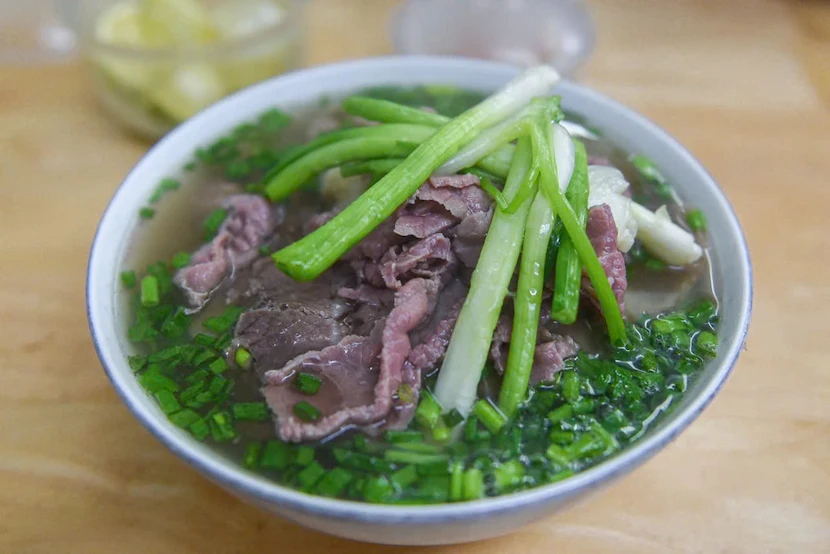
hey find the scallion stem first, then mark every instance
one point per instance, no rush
(373, 146)
(568, 280)
(385, 111)
(149, 291)
(527, 305)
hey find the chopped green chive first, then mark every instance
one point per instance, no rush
(428, 411)
(650, 172)
(252, 451)
(276, 455)
(457, 481)
(199, 429)
(707, 343)
(180, 260)
(407, 457)
(167, 401)
(251, 411)
(128, 279)
(333, 482)
(441, 434)
(309, 476)
(304, 455)
(570, 386)
(149, 291)
(225, 321)
(378, 490)
(219, 365)
(146, 213)
(184, 418)
(306, 412)
(176, 324)
(221, 427)
(165, 185)
(473, 484)
(654, 264)
(204, 340)
(453, 418)
(696, 220)
(508, 475)
(153, 381)
(307, 383)
(558, 456)
(213, 222)
(404, 436)
(489, 416)
(242, 357)
(137, 363)
(404, 477)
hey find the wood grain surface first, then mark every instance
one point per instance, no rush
(744, 84)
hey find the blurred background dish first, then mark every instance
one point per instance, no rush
(155, 63)
(35, 32)
(520, 32)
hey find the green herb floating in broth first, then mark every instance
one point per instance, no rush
(526, 374)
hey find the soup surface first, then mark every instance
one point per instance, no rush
(280, 376)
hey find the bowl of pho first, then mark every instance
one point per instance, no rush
(417, 300)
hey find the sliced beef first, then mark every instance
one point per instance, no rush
(428, 258)
(411, 307)
(434, 346)
(551, 349)
(470, 235)
(550, 357)
(454, 181)
(432, 337)
(276, 333)
(423, 219)
(362, 375)
(376, 243)
(290, 317)
(250, 219)
(370, 306)
(602, 231)
(349, 371)
(367, 294)
(263, 282)
(460, 202)
(501, 341)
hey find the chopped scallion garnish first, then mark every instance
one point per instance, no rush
(306, 412)
(149, 291)
(243, 358)
(128, 279)
(307, 383)
(251, 411)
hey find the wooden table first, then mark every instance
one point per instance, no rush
(745, 85)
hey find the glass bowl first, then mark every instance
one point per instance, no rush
(521, 32)
(151, 89)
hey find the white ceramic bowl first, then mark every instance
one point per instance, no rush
(448, 523)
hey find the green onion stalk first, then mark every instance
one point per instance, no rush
(528, 301)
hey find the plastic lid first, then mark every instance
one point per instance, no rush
(521, 32)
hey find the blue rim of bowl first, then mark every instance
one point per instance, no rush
(242, 481)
